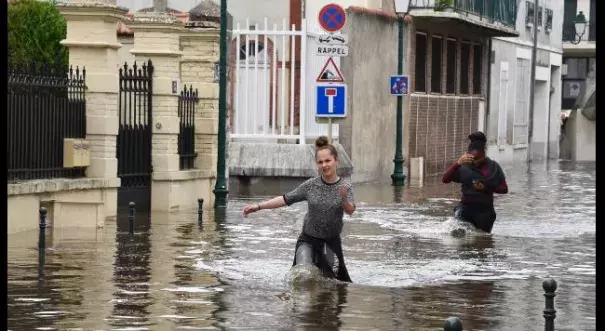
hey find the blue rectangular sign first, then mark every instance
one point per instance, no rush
(399, 85)
(331, 100)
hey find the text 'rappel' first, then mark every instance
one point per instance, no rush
(332, 50)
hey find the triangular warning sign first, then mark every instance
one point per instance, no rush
(330, 73)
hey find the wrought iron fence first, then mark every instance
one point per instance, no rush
(45, 105)
(503, 11)
(187, 102)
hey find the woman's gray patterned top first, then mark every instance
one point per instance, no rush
(324, 215)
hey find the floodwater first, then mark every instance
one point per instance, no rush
(409, 273)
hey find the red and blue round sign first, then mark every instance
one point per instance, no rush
(332, 17)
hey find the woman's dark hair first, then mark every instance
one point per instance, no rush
(323, 143)
(477, 141)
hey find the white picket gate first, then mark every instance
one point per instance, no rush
(264, 91)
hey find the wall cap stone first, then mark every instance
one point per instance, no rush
(90, 44)
(155, 52)
(279, 160)
(85, 10)
(155, 22)
(60, 184)
(183, 175)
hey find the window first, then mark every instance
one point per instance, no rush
(477, 68)
(549, 14)
(577, 67)
(539, 15)
(251, 51)
(529, 12)
(521, 113)
(570, 10)
(436, 64)
(465, 50)
(420, 70)
(450, 79)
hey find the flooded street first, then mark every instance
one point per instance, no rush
(409, 273)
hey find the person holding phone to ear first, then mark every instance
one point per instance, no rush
(479, 177)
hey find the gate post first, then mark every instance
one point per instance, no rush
(99, 55)
(200, 47)
(156, 38)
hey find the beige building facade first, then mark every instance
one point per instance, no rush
(181, 55)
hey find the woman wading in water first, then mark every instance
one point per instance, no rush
(328, 198)
(480, 177)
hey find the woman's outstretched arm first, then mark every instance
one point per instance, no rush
(268, 204)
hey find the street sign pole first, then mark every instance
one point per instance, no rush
(398, 176)
(220, 187)
(331, 102)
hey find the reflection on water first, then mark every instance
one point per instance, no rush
(408, 271)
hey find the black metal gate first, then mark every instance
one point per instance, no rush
(134, 135)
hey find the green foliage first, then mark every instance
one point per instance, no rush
(442, 4)
(35, 30)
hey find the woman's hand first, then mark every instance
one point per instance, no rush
(342, 191)
(251, 209)
(466, 159)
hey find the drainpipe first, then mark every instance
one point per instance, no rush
(489, 85)
(532, 84)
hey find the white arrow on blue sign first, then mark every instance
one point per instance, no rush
(399, 85)
(331, 100)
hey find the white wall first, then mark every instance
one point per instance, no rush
(547, 105)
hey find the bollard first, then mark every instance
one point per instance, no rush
(452, 324)
(42, 238)
(131, 211)
(200, 210)
(42, 244)
(549, 286)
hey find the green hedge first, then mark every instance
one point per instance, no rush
(35, 30)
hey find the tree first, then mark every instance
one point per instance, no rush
(35, 30)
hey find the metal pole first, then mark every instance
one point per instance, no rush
(42, 244)
(220, 189)
(549, 286)
(489, 87)
(131, 211)
(452, 324)
(398, 176)
(532, 84)
(330, 129)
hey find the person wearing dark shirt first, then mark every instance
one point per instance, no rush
(479, 177)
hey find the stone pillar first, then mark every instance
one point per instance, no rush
(156, 38)
(92, 43)
(200, 47)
